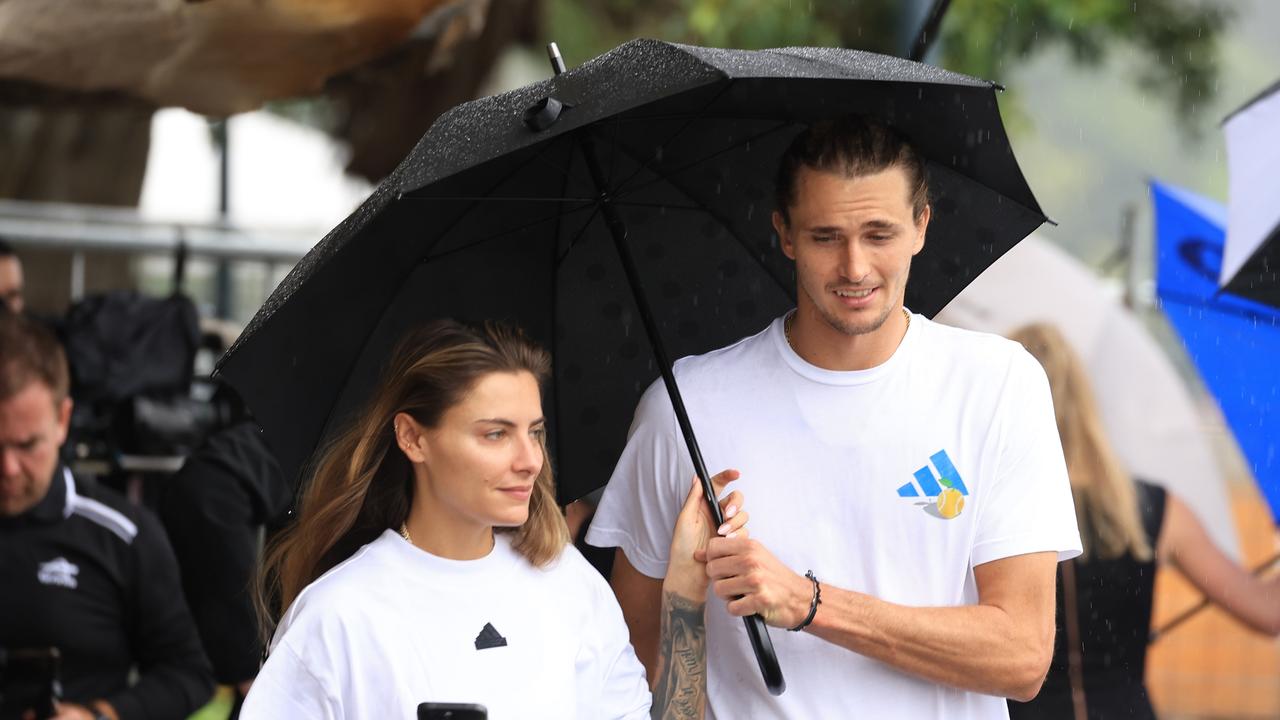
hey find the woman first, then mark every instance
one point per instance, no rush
(430, 562)
(1126, 527)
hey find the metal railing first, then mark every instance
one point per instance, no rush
(83, 228)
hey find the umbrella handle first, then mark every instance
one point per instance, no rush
(757, 630)
(766, 658)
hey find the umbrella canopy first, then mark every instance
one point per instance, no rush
(489, 218)
(1152, 420)
(1251, 259)
(1233, 341)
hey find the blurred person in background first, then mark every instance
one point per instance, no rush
(82, 570)
(229, 495)
(1127, 526)
(11, 287)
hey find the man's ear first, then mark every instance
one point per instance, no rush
(784, 234)
(63, 412)
(922, 224)
(409, 437)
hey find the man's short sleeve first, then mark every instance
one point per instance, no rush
(644, 495)
(1027, 506)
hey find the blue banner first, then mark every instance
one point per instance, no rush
(1234, 342)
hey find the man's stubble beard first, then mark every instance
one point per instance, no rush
(853, 330)
(849, 329)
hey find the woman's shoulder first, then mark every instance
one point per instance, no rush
(571, 571)
(343, 587)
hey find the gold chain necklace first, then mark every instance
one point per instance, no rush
(404, 532)
(790, 320)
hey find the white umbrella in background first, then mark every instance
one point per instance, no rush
(1251, 257)
(1152, 420)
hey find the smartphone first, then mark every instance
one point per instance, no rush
(451, 711)
(30, 681)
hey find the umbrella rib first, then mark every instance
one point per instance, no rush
(578, 236)
(710, 157)
(787, 288)
(661, 205)
(613, 155)
(555, 299)
(670, 138)
(501, 235)
(502, 198)
(638, 117)
(545, 149)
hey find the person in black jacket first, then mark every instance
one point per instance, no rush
(82, 570)
(216, 510)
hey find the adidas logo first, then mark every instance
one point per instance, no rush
(942, 495)
(930, 486)
(489, 638)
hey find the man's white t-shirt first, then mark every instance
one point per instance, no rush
(394, 626)
(841, 471)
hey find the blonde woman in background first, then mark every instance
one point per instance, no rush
(1126, 526)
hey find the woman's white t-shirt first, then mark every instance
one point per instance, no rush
(394, 626)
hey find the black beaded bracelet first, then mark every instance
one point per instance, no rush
(813, 604)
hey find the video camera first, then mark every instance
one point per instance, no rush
(139, 407)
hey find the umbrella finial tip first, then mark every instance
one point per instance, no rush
(557, 60)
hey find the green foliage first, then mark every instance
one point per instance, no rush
(1174, 39)
(593, 26)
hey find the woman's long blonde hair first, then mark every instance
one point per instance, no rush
(363, 483)
(1106, 498)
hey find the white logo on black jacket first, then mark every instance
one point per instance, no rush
(59, 571)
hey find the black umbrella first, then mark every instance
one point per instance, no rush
(611, 210)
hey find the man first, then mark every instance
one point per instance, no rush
(82, 570)
(909, 492)
(10, 279)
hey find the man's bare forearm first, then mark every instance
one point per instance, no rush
(680, 689)
(972, 647)
(640, 598)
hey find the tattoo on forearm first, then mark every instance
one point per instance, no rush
(681, 688)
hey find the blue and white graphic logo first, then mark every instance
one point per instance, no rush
(947, 487)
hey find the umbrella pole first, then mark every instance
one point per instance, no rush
(757, 631)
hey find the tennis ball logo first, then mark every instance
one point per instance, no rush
(950, 501)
